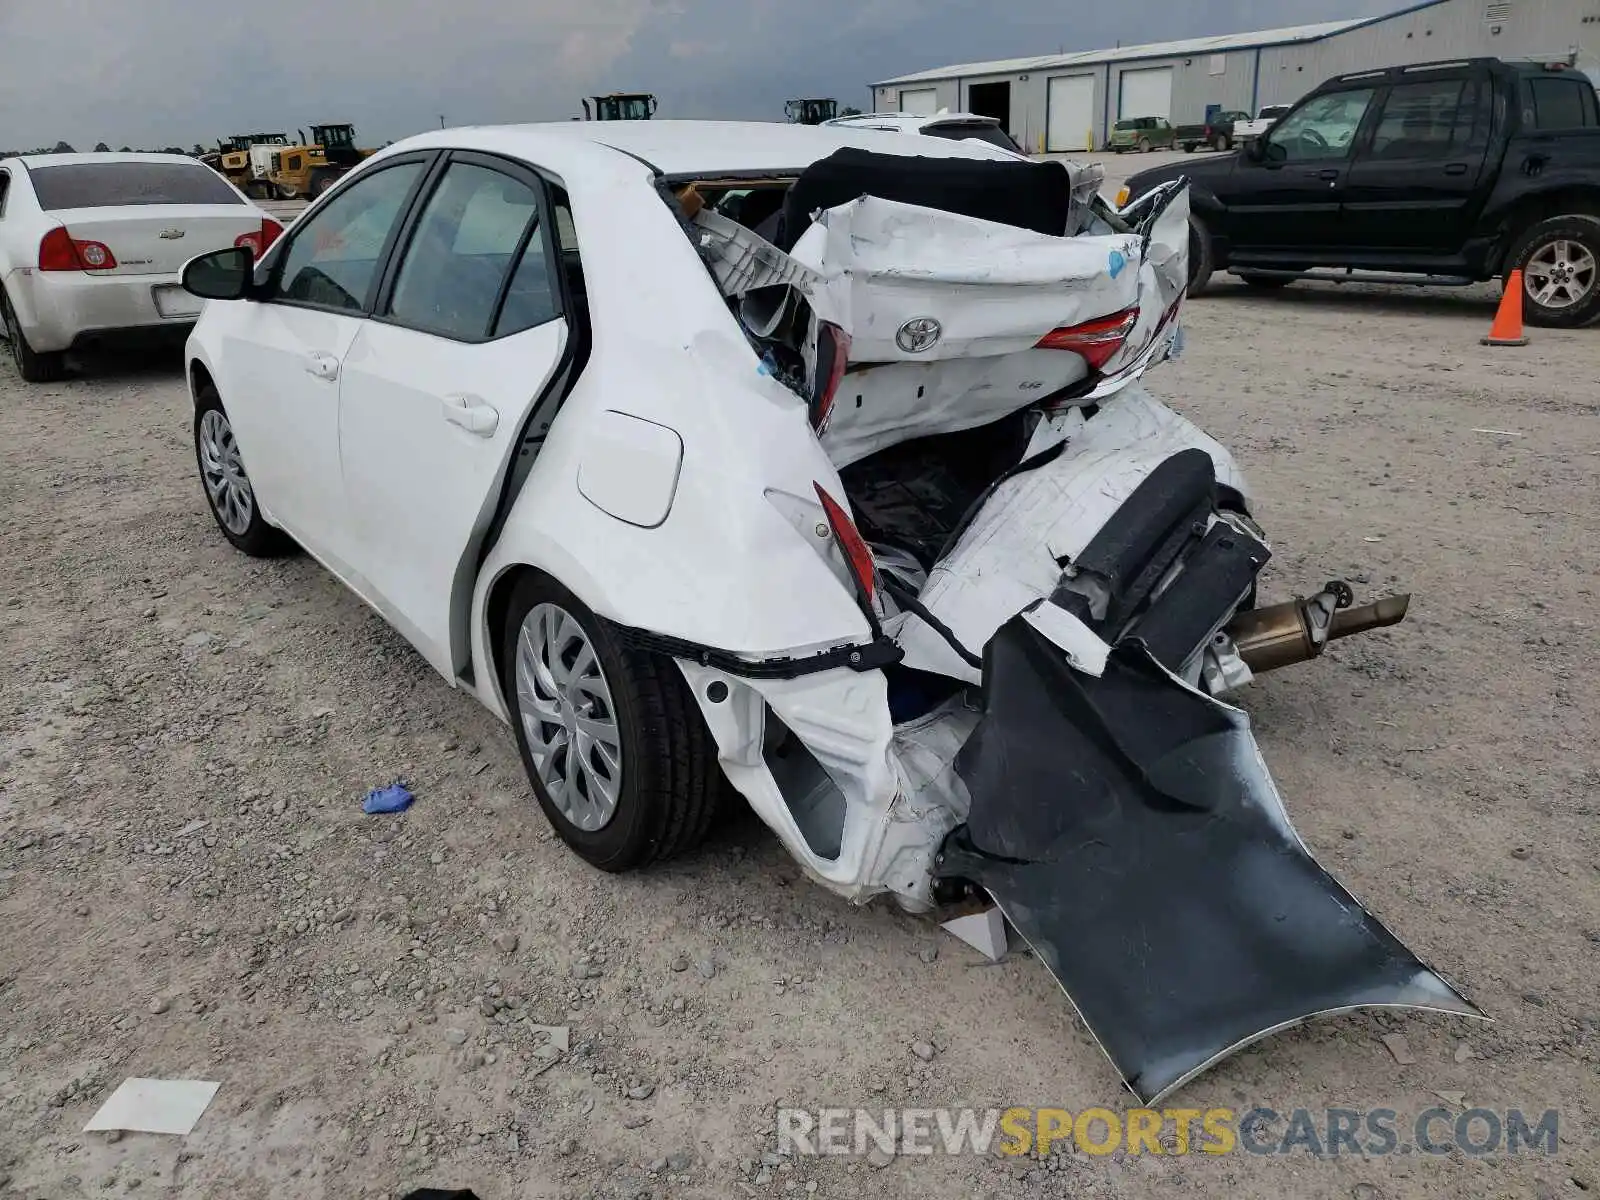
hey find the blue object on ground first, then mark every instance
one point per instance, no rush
(392, 799)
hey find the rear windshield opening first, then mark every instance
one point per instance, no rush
(108, 185)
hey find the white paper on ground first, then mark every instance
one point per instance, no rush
(154, 1106)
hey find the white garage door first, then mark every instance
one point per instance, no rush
(920, 103)
(1146, 93)
(1069, 113)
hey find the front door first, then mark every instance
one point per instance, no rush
(1286, 197)
(463, 342)
(281, 359)
(1411, 187)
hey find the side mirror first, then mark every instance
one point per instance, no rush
(1256, 149)
(220, 275)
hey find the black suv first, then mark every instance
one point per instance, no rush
(1443, 173)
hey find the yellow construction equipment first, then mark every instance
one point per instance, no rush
(243, 160)
(811, 112)
(620, 106)
(315, 164)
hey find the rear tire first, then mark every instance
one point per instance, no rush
(665, 756)
(31, 365)
(228, 492)
(1202, 257)
(1560, 263)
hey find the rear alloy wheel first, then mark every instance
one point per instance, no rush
(1560, 263)
(32, 366)
(228, 491)
(614, 744)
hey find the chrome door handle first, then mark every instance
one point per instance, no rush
(472, 413)
(323, 366)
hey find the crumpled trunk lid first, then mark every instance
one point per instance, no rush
(1128, 828)
(942, 312)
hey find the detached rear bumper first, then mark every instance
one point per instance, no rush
(1129, 830)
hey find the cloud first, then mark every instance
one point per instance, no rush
(166, 72)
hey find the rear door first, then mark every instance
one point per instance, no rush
(1288, 197)
(1412, 185)
(281, 359)
(468, 331)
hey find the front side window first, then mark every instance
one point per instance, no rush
(1321, 130)
(980, 131)
(468, 242)
(333, 259)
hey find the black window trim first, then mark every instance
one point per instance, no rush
(7, 182)
(429, 159)
(545, 228)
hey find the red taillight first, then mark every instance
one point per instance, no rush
(857, 556)
(259, 242)
(60, 251)
(833, 356)
(1095, 341)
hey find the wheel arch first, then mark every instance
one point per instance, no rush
(1576, 200)
(200, 377)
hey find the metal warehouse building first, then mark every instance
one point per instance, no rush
(1068, 101)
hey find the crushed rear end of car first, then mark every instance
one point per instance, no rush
(1063, 572)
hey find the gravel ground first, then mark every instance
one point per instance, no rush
(188, 887)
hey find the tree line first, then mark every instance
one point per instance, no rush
(102, 148)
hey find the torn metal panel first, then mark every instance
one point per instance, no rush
(1009, 556)
(1129, 829)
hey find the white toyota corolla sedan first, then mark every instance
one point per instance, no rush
(812, 464)
(91, 246)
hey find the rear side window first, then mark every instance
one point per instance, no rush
(109, 185)
(1426, 120)
(978, 130)
(1559, 104)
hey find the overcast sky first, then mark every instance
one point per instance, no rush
(149, 73)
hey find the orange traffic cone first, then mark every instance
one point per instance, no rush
(1507, 327)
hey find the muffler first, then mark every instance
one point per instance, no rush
(1300, 629)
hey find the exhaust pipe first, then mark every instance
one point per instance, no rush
(1300, 629)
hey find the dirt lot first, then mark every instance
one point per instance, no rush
(188, 887)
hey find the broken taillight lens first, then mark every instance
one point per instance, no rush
(857, 554)
(1095, 341)
(833, 355)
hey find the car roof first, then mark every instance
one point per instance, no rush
(914, 120)
(76, 160)
(678, 148)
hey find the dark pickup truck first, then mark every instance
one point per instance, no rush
(1443, 173)
(1216, 133)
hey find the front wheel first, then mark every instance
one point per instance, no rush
(227, 487)
(1144, 145)
(612, 740)
(1221, 143)
(1202, 256)
(1560, 263)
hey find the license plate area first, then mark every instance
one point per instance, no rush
(172, 301)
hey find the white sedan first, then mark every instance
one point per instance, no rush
(868, 521)
(91, 246)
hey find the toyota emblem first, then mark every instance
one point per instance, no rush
(918, 334)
